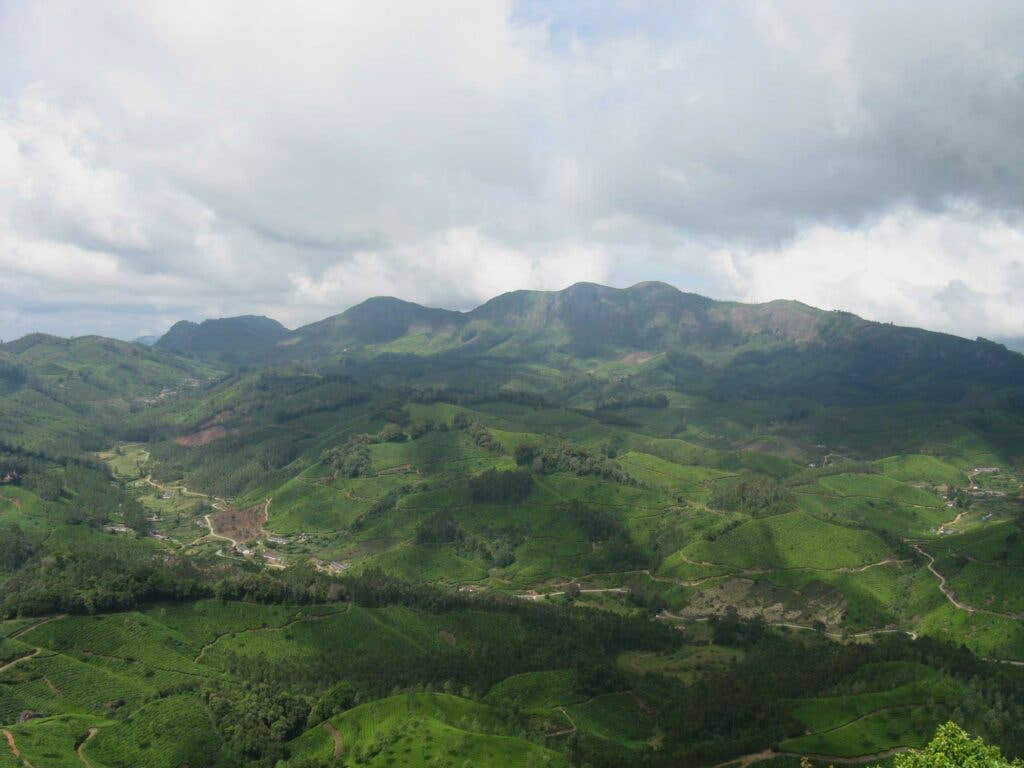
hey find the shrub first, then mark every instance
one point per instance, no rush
(392, 433)
(494, 486)
(439, 528)
(756, 495)
(524, 454)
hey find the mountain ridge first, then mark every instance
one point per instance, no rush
(583, 320)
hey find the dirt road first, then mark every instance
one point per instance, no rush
(10, 743)
(951, 595)
(339, 740)
(542, 595)
(81, 755)
(20, 659)
(768, 754)
(666, 615)
(45, 620)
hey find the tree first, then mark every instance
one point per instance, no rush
(524, 454)
(137, 518)
(15, 548)
(952, 747)
(392, 433)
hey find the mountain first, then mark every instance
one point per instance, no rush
(146, 341)
(590, 320)
(775, 349)
(231, 340)
(373, 325)
(585, 320)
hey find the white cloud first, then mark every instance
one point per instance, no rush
(961, 270)
(471, 267)
(162, 160)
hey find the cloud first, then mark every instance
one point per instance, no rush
(471, 267)
(960, 271)
(164, 160)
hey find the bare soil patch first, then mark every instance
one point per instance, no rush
(339, 740)
(204, 436)
(239, 524)
(816, 602)
(10, 743)
(222, 416)
(400, 469)
(635, 358)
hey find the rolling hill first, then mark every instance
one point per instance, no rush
(593, 526)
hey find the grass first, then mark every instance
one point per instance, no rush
(983, 586)
(126, 460)
(829, 713)
(204, 621)
(54, 683)
(358, 640)
(691, 481)
(983, 634)
(166, 733)
(879, 487)
(998, 542)
(50, 742)
(686, 664)
(918, 467)
(26, 510)
(791, 540)
(537, 692)
(300, 506)
(417, 729)
(900, 727)
(128, 644)
(436, 563)
(617, 717)
(437, 452)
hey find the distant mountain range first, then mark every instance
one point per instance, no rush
(777, 347)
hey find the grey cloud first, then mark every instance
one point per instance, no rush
(229, 159)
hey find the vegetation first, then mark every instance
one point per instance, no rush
(586, 528)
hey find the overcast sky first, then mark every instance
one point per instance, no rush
(191, 159)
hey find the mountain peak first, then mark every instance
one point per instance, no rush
(227, 339)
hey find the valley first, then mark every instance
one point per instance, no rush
(589, 527)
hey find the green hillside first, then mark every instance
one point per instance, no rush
(593, 527)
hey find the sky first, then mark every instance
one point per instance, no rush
(164, 161)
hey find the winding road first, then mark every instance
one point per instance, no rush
(951, 595)
(79, 751)
(747, 760)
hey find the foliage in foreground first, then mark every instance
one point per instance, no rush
(952, 747)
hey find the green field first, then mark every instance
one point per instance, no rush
(420, 729)
(791, 540)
